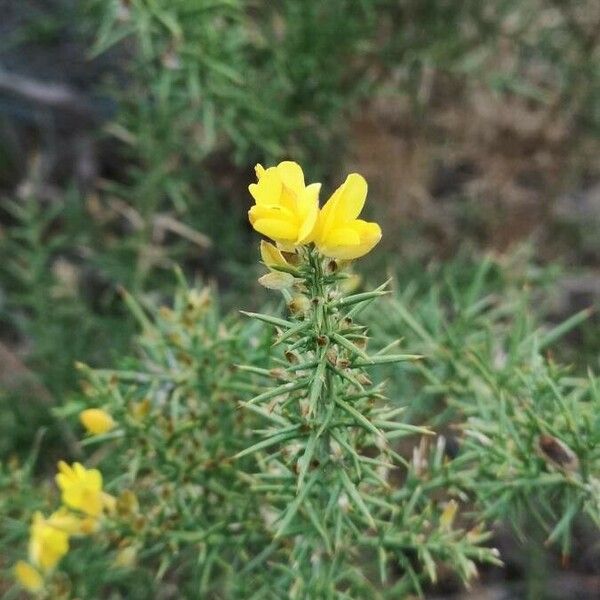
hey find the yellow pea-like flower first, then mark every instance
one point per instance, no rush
(72, 524)
(286, 209)
(82, 489)
(29, 577)
(47, 543)
(339, 233)
(96, 420)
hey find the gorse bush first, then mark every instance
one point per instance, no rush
(257, 455)
(191, 95)
(523, 426)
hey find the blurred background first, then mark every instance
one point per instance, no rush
(129, 130)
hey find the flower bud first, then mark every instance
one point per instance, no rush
(299, 305)
(96, 421)
(292, 357)
(127, 503)
(125, 557)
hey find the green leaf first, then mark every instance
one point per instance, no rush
(352, 348)
(269, 319)
(268, 442)
(293, 508)
(362, 297)
(359, 418)
(317, 384)
(389, 359)
(357, 498)
(305, 459)
(278, 391)
(314, 518)
(549, 337)
(299, 328)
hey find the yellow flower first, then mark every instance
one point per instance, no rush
(96, 420)
(82, 489)
(286, 209)
(271, 255)
(28, 577)
(72, 524)
(339, 233)
(47, 544)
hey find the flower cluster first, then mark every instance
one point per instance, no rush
(84, 503)
(286, 210)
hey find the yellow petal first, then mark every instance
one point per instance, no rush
(276, 229)
(81, 488)
(65, 469)
(291, 175)
(268, 189)
(308, 198)
(259, 170)
(353, 197)
(327, 215)
(270, 211)
(342, 236)
(345, 203)
(96, 420)
(66, 521)
(308, 204)
(91, 477)
(47, 544)
(271, 255)
(341, 244)
(28, 577)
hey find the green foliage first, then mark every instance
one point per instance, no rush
(247, 76)
(51, 296)
(541, 50)
(316, 485)
(525, 427)
(328, 454)
(202, 91)
(179, 426)
(334, 491)
(205, 91)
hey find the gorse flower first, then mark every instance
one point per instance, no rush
(28, 576)
(82, 489)
(49, 537)
(286, 209)
(47, 543)
(96, 420)
(72, 524)
(339, 233)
